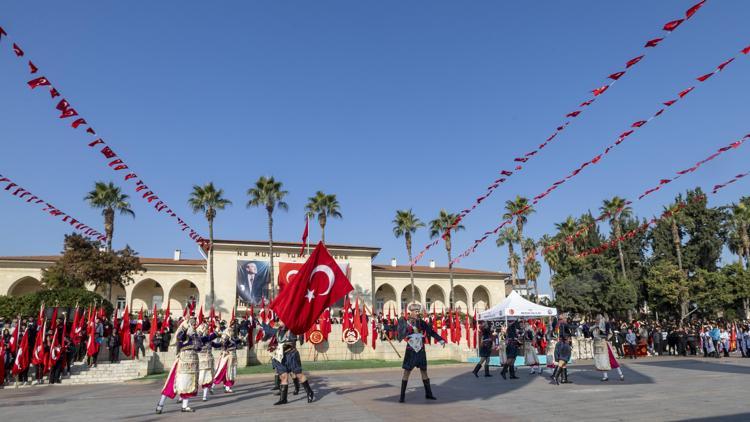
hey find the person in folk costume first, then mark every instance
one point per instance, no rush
(286, 361)
(183, 377)
(226, 369)
(513, 333)
(563, 353)
(604, 357)
(485, 349)
(415, 330)
(206, 359)
(529, 350)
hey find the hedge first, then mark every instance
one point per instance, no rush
(65, 299)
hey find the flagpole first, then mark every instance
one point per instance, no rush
(307, 224)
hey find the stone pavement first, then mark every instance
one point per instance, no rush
(655, 389)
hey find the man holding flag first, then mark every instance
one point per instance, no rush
(319, 284)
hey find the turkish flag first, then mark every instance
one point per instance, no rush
(690, 12)
(320, 284)
(37, 358)
(654, 42)
(139, 321)
(152, 331)
(304, 237)
(22, 355)
(633, 61)
(616, 75)
(41, 81)
(126, 344)
(13, 342)
(287, 271)
(671, 26)
(17, 50)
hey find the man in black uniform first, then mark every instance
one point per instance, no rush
(511, 349)
(414, 330)
(485, 350)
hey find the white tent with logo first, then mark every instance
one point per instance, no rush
(515, 306)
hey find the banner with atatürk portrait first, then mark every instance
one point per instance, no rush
(252, 281)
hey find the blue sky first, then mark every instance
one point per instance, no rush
(387, 104)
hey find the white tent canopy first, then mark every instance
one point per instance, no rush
(515, 306)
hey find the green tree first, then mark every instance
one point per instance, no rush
(519, 208)
(706, 231)
(323, 207)
(532, 269)
(617, 208)
(406, 224)
(208, 200)
(739, 220)
(268, 193)
(110, 199)
(83, 262)
(442, 226)
(507, 237)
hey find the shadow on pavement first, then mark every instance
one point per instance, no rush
(735, 417)
(708, 364)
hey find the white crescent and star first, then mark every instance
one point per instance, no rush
(289, 274)
(329, 272)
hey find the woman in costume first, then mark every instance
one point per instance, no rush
(183, 377)
(287, 363)
(414, 331)
(485, 350)
(226, 370)
(563, 353)
(206, 359)
(529, 350)
(511, 349)
(604, 357)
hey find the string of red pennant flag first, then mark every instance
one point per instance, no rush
(26, 195)
(662, 182)
(520, 161)
(635, 126)
(666, 214)
(113, 160)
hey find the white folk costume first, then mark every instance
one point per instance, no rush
(529, 351)
(604, 357)
(206, 360)
(183, 377)
(226, 369)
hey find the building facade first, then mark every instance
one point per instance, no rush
(383, 287)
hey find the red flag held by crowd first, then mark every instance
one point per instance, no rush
(22, 355)
(126, 344)
(152, 331)
(319, 284)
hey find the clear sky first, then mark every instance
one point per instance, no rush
(388, 104)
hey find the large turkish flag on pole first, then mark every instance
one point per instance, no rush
(319, 284)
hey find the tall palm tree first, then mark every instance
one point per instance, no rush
(617, 210)
(740, 219)
(674, 220)
(208, 199)
(508, 237)
(566, 229)
(531, 270)
(439, 227)
(551, 258)
(323, 206)
(528, 246)
(109, 198)
(405, 224)
(519, 209)
(268, 193)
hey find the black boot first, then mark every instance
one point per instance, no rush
(403, 391)
(276, 383)
(476, 370)
(504, 371)
(428, 390)
(309, 391)
(565, 376)
(487, 370)
(513, 372)
(284, 393)
(556, 375)
(296, 386)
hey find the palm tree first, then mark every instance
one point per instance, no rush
(405, 224)
(507, 237)
(442, 226)
(529, 248)
(551, 258)
(268, 193)
(674, 220)
(531, 270)
(617, 209)
(566, 229)
(323, 206)
(208, 199)
(519, 209)
(740, 220)
(109, 198)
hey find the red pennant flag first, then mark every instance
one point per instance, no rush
(573, 113)
(17, 50)
(638, 123)
(653, 43)
(599, 91)
(704, 77)
(617, 75)
(304, 236)
(152, 331)
(22, 354)
(32, 69)
(723, 65)
(201, 318)
(40, 81)
(690, 12)
(685, 92)
(633, 61)
(506, 173)
(2, 32)
(669, 103)
(319, 284)
(671, 26)
(746, 50)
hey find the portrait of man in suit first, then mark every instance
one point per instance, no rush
(252, 281)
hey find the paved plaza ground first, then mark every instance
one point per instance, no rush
(655, 389)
